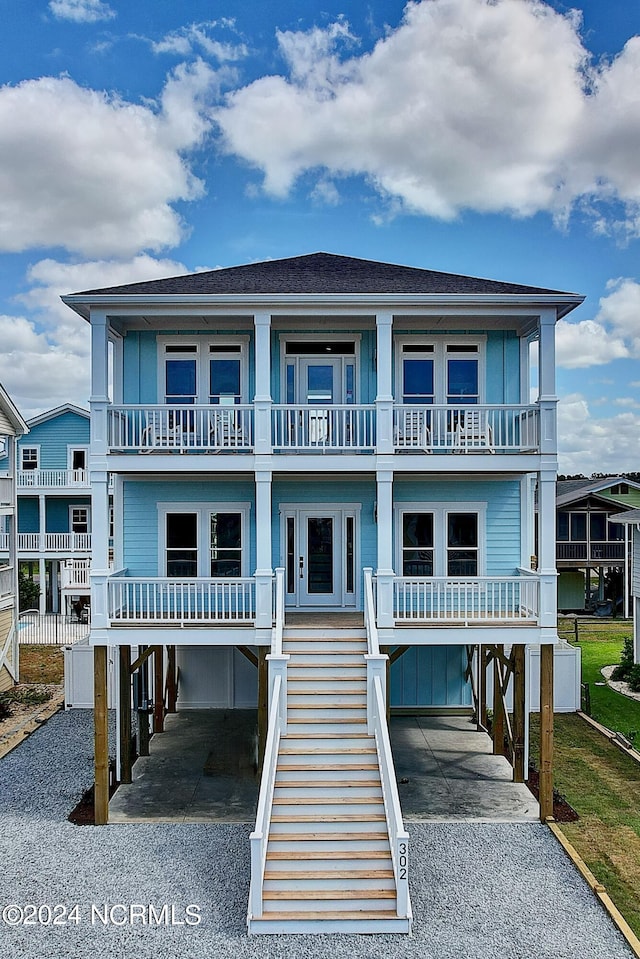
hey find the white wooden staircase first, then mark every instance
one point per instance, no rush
(328, 864)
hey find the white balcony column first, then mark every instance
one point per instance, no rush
(264, 571)
(547, 546)
(262, 399)
(384, 393)
(99, 383)
(12, 459)
(100, 548)
(384, 573)
(42, 535)
(547, 383)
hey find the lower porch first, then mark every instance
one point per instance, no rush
(202, 768)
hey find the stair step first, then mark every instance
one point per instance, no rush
(328, 750)
(326, 767)
(325, 735)
(312, 875)
(314, 678)
(337, 854)
(351, 817)
(332, 708)
(327, 783)
(333, 842)
(320, 894)
(341, 800)
(346, 914)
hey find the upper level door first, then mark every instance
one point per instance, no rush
(320, 382)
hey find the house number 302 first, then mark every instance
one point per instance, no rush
(402, 860)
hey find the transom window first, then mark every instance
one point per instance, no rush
(440, 541)
(203, 371)
(204, 542)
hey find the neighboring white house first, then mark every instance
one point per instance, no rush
(11, 427)
(631, 519)
(320, 458)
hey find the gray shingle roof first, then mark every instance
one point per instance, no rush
(319, 273)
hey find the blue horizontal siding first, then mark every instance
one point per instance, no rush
(140, 515)
(430, 676)
(28, 515)
(54, 436)
(57, 512)
(503, 530)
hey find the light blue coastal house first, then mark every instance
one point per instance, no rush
(331, 462)
(54, 505)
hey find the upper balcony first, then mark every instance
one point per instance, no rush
(346, 428)
(60, 544)
(6, 582)
(52, 479)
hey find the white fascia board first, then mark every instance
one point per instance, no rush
(188, 303)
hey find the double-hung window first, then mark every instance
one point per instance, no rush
(79, 519)
(443, 371)
(29, 458)
(203, 370)
(203, 541)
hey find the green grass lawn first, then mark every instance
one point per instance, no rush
(603, 786)
(616, 712)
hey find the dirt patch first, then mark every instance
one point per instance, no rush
(25, 701)
(562, 810)
(41, 664)
(83, 814)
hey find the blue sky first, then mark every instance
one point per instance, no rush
(497, 139)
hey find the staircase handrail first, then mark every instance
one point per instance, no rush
(260, 835)
(276, 636)
(398, 836)
(373, 645)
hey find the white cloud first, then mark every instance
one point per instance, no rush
(587, 343)
(196, 39)
(44, 361)
(81, 11)
(587, 444)
(446, 113)
(620, 310)
(95, 174)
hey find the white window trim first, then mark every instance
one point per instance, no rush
(30, 446)
(440, 512)
(84, 506)
(440, 344)
(71, 449)
(352, 338)
(203, 345)
(203, 511)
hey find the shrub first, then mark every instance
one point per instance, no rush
(5, 706)
(28, 592)
(622, 672)
(633, 678)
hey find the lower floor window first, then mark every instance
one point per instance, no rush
(204, 542)
(439, 541)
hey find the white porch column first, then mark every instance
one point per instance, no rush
(99, 548)
(98, 475)
(547, 546)
(384, 394)
(262, 399)
(547, 383)
(264, 571)
(385, 574)
(42, 566)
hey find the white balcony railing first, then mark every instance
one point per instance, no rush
(74, 575)
(49, 542)
(205, 429)
(6, 490)
(52, 479)
(466, 429)
(6, 581)
(162, 601)
(468, 601)
(350, 428)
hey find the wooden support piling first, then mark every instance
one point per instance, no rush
(126, 760)
(158, 690)
(546, 731)
(518, 713)
(172, 688)
(481, 718)
(101, 736)
(263, 701)
(498, 714)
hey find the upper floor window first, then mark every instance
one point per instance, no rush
(203, 370)
(621, 489)
(444, 372)
(79, 519)
(29, 458)
(77, 458)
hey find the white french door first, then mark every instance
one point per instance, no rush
(320, 557)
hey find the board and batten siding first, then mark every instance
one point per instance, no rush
(503, 529)
(53, 436)
(141, 519)
(430, 676)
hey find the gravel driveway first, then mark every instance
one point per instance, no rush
(479, 891)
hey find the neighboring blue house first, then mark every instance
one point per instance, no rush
(54, 504)
(320, 458)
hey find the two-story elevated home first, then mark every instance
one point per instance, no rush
(593, 553)
(54, 505)
(323, 459)
(12, 426)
